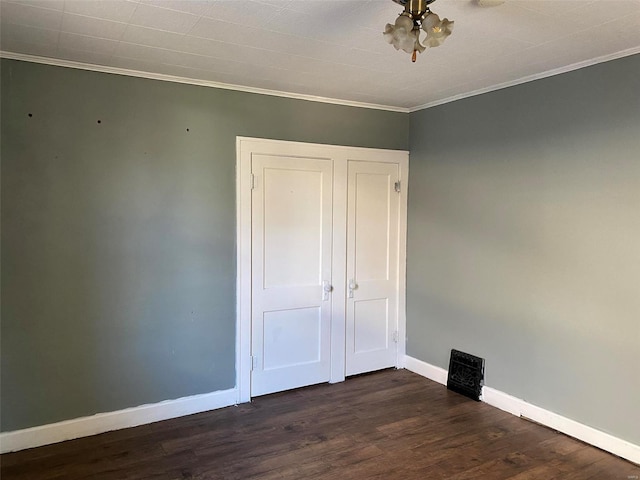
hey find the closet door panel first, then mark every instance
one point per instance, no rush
(291, 259)
(372, 266)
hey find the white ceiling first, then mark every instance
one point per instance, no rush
(332, 49)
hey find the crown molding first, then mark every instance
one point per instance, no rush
(193, 81)
(313, 98)
(530, 78)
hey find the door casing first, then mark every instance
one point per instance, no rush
(245, 147)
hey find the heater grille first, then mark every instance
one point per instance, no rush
(466, 374)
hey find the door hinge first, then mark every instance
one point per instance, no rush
(395, 336)
(396, 186)
(253, 181)
(254, 362)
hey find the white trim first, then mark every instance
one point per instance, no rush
(522, 408)
(105, 422)
(193, 81)
(313, 98)
(338, 272)
(243, 272)
(587, 434)
(245, 146)
(530, 78)
(437, 374)
(271, 146)
(401, 352)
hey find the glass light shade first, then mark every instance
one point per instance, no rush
(388, 33)
(430, 21)
(437, 30)
(407, 41)
(417, 45)
(403, 36)
(404, 21)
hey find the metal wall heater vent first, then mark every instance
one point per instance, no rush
(466, 374)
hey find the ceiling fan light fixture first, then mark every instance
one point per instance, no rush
(404, 34)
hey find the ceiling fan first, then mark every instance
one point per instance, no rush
(404, 34)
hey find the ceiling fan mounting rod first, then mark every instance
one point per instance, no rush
(417, 10)
(404, 2)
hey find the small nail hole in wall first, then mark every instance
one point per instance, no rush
(187, 129)
(31, 115)
(99, 121)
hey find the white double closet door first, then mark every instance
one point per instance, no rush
(325, 261)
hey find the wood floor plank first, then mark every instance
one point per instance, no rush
(386, 425)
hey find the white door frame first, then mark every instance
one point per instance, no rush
(245, 146)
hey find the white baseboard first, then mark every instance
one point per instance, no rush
(521, 408)
(425, 369)
(105, 422)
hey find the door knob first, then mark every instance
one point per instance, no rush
(327, 288)
(352, 286)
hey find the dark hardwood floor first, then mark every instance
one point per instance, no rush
(386, 425)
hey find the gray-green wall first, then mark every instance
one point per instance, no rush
(118, 232)
(118, 237)
(524, 241)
